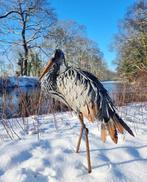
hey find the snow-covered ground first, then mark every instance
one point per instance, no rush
(50, 155)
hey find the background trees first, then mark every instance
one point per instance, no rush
(24, 23)
(79, 50)
(34, 66)
(131, 42)
(30, 31)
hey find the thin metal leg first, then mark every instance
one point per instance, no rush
(87, 142)
(88, 151)
(79, 141)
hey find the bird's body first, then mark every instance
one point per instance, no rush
(84, 93)
(78, 89)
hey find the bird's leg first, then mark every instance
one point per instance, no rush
(88, 150)
(81, 132)
(79, 141)
(83, 128)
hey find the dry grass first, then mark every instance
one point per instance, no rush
(129, 94)
(33, 104)
(28, 104)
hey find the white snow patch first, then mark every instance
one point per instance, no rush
(52, 158)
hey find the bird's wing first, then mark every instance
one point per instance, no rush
(111, 121)
(103, 100)
(85, 93)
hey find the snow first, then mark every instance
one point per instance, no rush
(21, 81)
(111, 81)
(46, 151)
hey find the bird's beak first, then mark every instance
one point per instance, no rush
(50, 63)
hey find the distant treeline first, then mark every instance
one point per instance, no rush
(30, 32)
(131, 44)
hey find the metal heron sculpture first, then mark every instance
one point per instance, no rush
(84, 93)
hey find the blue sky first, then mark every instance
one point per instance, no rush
(100, 17)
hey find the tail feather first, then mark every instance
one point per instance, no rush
(119, 127)
(117, 120)
(112, 131)
(111, 122)
(103, 132)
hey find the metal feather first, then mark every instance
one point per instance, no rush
(85, 94)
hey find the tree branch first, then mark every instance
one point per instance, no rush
(9, 13)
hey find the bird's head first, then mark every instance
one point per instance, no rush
(57, 59)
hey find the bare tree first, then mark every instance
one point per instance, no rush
(80, 50)
(24, 23)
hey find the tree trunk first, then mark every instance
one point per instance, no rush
(25, 45)
(26, 51)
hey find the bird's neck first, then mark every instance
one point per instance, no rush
(55, 71)
(62, 68)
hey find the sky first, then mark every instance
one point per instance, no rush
(100, 17)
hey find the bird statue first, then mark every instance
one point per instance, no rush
(85, 95)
